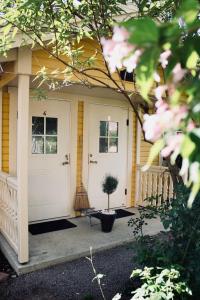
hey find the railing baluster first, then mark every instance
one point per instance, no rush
(154, 182)
(8, 209)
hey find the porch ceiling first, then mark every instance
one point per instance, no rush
(79, 89)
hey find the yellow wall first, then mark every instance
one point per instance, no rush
(40, 58)
(144, 153)
(5, 132)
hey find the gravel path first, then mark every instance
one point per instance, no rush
(73, 280)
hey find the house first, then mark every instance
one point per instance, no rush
(50, 146)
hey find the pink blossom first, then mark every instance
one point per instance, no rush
(180, 112)
(178, 73)
(173, 144)
(161, 106)
(184, 169)
(165, 119)
(164, 58)
(152, 127)
(131, 62)
(114, 52)
(120, 34)
(118, 52)
(156, 77)
(159, 91)
(194, 171)
(190, 126)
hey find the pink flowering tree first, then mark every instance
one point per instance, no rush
(145, 46)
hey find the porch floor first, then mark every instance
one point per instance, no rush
(65, 245)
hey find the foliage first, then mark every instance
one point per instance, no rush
(170, 48)
(138, 222)
(60, 29)
(180, 245)
(109, 185)
(159, 284)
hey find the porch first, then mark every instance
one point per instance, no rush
(80, 159)
(65, 245)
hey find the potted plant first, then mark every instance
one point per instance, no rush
(108, 215)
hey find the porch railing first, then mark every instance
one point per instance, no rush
(9, 209)
(156, 181)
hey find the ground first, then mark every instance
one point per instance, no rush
(73, 280)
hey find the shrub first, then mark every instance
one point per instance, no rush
(109, 185)
(180, 245)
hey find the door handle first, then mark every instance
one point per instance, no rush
(93, 162)
(67, 162)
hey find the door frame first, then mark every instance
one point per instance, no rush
(110, 103)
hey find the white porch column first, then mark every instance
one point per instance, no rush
(24, 71)
(138, 172)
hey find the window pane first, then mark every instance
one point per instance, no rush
(51, 125)
(37, 145)
(113, 129)
(103, 128)
(103, 145)
(51, 144)
(113, 145)
(37, 125)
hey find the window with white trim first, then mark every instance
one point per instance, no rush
(44, 135)
(108, 139)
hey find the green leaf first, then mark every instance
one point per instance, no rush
(145, 71)
(142, 31)
(192, 60)
(7, 28)
(193, 194)
(187, 147)
(188, 10)
(154, 151)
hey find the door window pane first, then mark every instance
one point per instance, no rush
(103, 145)
(108, 139)
(51, 144)
(37, 125)
(113, 129)
(37, 144)
(51, 126)
(113, 145)
(44, 135)
(103, 128)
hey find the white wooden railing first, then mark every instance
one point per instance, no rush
(156, 181)
(9, 209)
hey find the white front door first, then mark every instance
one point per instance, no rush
(49, 159)
(107, 153)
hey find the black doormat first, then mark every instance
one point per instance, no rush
(121, 213)
(50, 226)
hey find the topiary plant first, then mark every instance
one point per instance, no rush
(109, 185)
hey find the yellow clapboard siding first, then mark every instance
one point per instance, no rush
(144, 153)
(134, 146)
(5, 132)
(40, 58)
